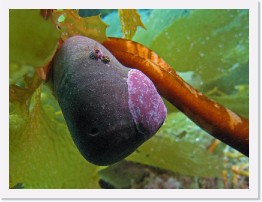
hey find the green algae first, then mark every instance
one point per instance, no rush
(42, 153)
(209, 42)
(32, 39)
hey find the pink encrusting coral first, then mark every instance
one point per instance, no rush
(145, 104)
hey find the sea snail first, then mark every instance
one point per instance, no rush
(109, 109)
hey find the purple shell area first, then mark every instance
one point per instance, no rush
(145, 104)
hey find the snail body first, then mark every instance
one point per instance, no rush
(109, 109)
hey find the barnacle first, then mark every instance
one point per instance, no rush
(105, 59)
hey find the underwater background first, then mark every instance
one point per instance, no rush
(208, 49)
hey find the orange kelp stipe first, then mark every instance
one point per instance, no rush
(217, 120)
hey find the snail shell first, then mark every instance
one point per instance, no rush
(109, 109)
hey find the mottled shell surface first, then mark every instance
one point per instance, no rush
(109, 109)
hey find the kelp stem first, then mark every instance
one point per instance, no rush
(214, 118)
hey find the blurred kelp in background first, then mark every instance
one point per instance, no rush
(208, 48)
